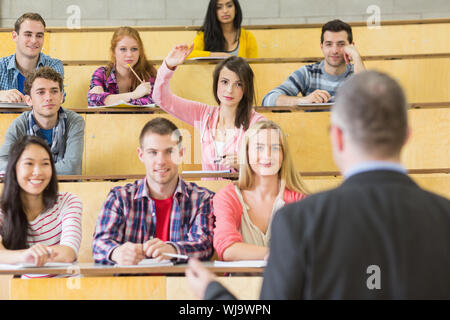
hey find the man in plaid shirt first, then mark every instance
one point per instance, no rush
(319, 81)
(28, 35)
(158, 214)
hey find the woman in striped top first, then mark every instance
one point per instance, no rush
(37, 223)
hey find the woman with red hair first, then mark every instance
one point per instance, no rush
(116, 82)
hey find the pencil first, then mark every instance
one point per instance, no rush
(135, 73)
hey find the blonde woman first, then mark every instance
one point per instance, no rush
(267, 181)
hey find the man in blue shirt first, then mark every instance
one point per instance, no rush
(319, 81)
(28, 35)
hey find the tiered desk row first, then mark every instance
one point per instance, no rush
(416, 53)
(403, 49)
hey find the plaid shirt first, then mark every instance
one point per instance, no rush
(9, 71)
(306, 80)
(110, 86)
(128, 215)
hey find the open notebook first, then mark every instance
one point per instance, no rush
(242, 263)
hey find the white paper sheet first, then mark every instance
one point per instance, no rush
(148, 263)
(123, 104)
(31, 265)
(242, 263)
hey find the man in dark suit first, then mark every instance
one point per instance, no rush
(378, 235)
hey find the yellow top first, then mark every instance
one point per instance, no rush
(247, 46)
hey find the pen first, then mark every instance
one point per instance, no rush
(174, 255)
(220, 159)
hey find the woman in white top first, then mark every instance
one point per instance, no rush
(37, 224)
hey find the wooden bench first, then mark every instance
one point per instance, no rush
(415, 52)
(427, 148)
(274, 41)
(423, 79)
(93, 194)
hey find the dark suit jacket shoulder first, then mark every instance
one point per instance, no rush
(377, 236)
(327, 246)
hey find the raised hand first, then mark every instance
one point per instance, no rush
(230, 161)
(178, 55)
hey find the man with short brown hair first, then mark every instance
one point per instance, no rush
(63, 129)
(318, 82)
(160, 215)
(28, 35)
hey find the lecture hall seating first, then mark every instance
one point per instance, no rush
(107, 135)
(404, 49)
(401, 48)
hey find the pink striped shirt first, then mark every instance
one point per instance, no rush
(60, 225)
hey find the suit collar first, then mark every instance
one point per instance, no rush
(379, 177)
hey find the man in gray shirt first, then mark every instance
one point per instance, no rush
(62, 129)
(319, 81)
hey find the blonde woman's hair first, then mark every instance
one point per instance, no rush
(287, 172)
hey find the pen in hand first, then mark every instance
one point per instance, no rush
(220, 159)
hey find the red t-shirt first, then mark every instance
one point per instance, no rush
(163, 209)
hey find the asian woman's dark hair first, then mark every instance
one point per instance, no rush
(241, 67)
(15, 224)
(213, 35)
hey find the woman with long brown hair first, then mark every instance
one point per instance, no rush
(221, 128)
(222, 35)
(38, 224)
(116, 82)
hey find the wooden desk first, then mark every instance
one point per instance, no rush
(98, 282)
(125, 288)
(93, 269)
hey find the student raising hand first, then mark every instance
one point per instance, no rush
(178, 55)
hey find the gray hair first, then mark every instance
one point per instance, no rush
(371, 109)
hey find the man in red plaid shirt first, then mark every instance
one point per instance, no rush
(158, 214)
